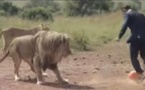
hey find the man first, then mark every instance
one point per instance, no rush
(135, 21)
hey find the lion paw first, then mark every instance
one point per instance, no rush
(65, 81)
(41, 82)
(17, 78)
(44, 74)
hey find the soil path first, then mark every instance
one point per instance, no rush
(103, 69)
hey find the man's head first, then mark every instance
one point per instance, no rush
(125, 8)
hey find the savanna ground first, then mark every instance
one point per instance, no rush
(104, 68)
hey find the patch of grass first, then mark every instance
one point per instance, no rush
(80, 41)
(86, 32)
(98, 30)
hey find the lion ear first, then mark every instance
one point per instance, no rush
(45, 26)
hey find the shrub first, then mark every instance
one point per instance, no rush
(9, 9)
(2, 13)
(87, 7)
(52, 5)
(37, 13)
(80, 41)
(118, 6)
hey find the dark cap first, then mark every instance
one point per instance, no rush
(127, 7)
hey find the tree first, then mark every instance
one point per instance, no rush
(37, 13)
(9, 8)
(104, 5)
(118, 6)
(50, 4)
(87, 7)
(136, 4)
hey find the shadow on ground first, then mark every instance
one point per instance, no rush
(58, 85)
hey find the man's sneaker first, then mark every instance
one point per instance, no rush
(141, 79)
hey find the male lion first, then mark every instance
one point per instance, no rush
(9, 34)
(51, 48)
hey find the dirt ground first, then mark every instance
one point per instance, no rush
(103, 69)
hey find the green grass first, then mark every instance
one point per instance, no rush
(86, 32)
(99, 30)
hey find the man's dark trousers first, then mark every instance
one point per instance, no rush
(137, 46)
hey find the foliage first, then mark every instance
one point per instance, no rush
(86, 32)
(118, 5)
(87, 7)
(136, 4)
(9, 9)
(81, 41)
(53, 6)
(38, 13)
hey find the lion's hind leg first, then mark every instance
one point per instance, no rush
(17, 62)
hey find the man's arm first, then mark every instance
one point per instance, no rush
(124, 27)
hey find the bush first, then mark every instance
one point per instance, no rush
(87, 7)
(9, 9)
(118, 6)
(135, 4)
(2, 13)
(80, 41)
(52, 5)
(37, 13)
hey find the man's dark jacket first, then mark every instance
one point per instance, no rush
(136, 22)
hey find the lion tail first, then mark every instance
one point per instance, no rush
(6, 54)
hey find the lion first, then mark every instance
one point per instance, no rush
(51, 47)
(22, 47)
(9, 34)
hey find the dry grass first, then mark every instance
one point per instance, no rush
(85, 31)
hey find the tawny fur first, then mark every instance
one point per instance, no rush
(21, 48)
(51, 48)
(9, 34)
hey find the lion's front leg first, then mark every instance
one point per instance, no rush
(55, 69)
(38, 71)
